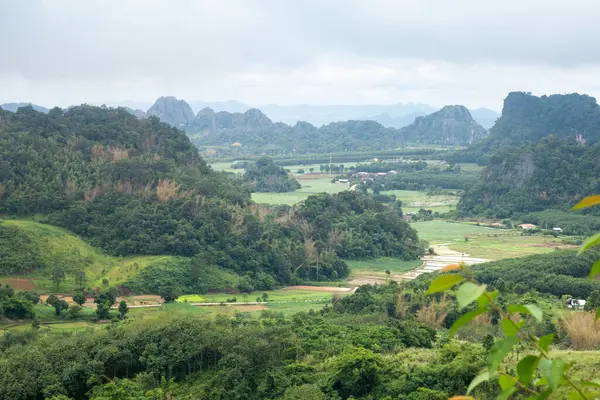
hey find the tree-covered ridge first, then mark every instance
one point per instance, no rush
(264, 175)
(136, 187)
(252, 132)
(553, 173)
(452, 125)
(526, 119)
(355, 225)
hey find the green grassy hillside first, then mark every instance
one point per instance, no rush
(60, 248)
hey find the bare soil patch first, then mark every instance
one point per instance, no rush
(19, 283)
(553, 245)
(319, 288)
(250, 307)
(313, 176)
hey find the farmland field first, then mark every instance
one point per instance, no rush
(413, 200)
(377, 267)
(309, 187)
(484, 242)
(438, 231)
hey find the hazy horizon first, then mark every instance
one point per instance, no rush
(262, 52)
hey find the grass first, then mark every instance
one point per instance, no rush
(274, 295)
(378, 266)
(512, 244)
(309, 187)
(413, 200)
(60, 248)
(439, 231)
(484, 242)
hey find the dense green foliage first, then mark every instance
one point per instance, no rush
(391, 166)
(426, 179)
(559, 273)
(17, 305)
(333, 356)
(264, 176)
(357, 226)
(526, 119)
(18, 252)
(553, 173)
(131, 186)
(571, 223)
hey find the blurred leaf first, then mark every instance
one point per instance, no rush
(499, 350)
(535, 311)
(526, 368)
(467, 293)
(530, 309)
(506, 381)
(546, 341)
(587, 202)
(597, 317)
(506, 393)
(465, 319)
(444, 282)
(509, 328)
(595, 383)
(589, 242)
(595, 269)
(553, 371)
(479, 379)
(485, 298)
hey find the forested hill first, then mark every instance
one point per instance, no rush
(134, 186)
(553, 173)
(253, 132)
(526, 119)
(452, 125)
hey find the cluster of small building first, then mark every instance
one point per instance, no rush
(365, 175)
(525, 227)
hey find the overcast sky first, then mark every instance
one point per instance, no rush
(438, 52)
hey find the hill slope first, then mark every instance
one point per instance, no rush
(134, 187)
(526, 119)
(452, 125)
(50, 247)
(554, 173)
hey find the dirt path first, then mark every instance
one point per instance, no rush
(444, 256)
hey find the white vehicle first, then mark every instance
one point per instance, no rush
(575, 304)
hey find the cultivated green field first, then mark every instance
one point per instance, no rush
(309, 187)
(484, 242)
(413, 200)
(377, 267)
(507, 246)
(291, 295)
(439, 231)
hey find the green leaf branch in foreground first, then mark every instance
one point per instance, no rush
(515, 319)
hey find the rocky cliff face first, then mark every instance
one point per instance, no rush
(526, 119)
(172, 111)
(452, 125)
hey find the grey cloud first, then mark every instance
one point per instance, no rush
(290, 51)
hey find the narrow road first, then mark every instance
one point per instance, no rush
(431, 263)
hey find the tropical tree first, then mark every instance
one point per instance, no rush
(57, 275)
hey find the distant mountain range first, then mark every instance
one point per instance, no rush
(12, 107)
(393, 116)
(253, 132)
